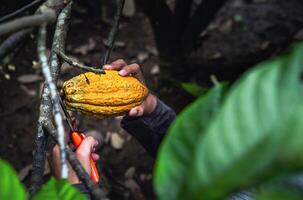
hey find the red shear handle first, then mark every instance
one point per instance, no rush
(77, 140)
(94, 175)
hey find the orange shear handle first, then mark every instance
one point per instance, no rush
(77, 140)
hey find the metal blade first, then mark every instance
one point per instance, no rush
(68, 118)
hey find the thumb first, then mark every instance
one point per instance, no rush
(87, 146)
(84, 151)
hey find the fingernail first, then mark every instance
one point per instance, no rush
(123, 72)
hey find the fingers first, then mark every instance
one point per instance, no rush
(130, 69)
(134, 70)
(85, 150)
(116, 65)
(146, 108)
(87, 146)
(126, 70)
(55, 163)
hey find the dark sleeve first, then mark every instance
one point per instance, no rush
(82, 189)
(149, 130)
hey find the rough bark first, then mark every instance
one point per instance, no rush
(45, 115)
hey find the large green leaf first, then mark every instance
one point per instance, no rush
(177, 150)
(278, 192)
(58, 190)
(10, 186)
(256, 134)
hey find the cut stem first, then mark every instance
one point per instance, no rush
(78, 65)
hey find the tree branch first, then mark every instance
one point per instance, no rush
(84, 177)
(54, 97)
(50, 5)
(204, 14)
(21, 10)
(46, 103)
(26, 22)
(58, 45)
(78, 65)
(39, 161)
(13, 41)
(112, 36)
(59, 40)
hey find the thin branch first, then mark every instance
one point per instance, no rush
(54, 97)
(21, 10)
(13, 41)
(59, 40)
(49, 5)
(26, 22)
(78, 65)
(46, 103)
(84, 177)
(112, 36)
(8, 59)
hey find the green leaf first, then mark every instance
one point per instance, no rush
(58, 190)
(256, 134)
(10, 186)
(279, 193)
(176, 152)
(194, 89)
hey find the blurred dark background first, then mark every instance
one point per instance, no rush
(173, 41)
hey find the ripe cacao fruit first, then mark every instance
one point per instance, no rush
(103, 95)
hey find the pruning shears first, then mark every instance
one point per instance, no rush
(77, 138)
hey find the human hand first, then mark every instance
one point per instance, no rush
(147, 106)
(84, 152)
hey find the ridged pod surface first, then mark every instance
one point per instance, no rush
(103, 95)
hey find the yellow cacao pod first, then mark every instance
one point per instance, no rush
(103, 95)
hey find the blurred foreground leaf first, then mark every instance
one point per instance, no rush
(280, 194)
(178, 149)
(58, 190)
(10, 186)
(256, 135)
